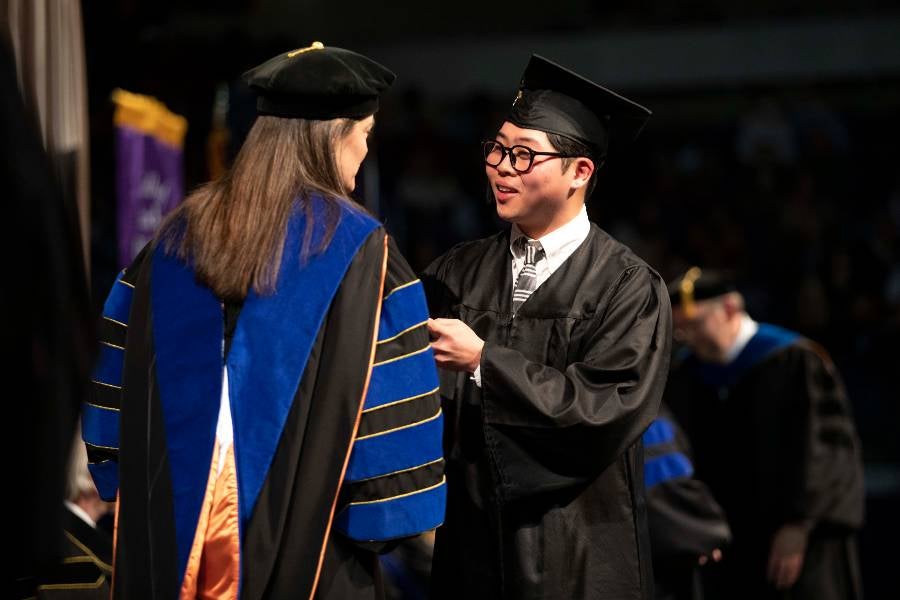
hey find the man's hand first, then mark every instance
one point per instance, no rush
(455, 345)
(715, 556)
(786, 556)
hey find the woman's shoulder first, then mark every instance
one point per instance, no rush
(355, 211)
(352, 218)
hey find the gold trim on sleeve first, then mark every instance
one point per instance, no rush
(88, 552)
(74, 586)
(422, 466)
(387, 431)
(400, 287)
(103, 407)
(87, 443)
(402, 400)
(114, 321)
(413, 493)
(118, 387)
(401, 357)
(407, 330)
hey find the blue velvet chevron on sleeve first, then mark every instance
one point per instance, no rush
(100, 415)
(395, 474)
(664, 460)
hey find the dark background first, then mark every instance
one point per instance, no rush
(772, 149)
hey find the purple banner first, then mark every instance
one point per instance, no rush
(150, 183)
(149, 169)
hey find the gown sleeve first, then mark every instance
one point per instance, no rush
(440, 298)
(394, 485)
(685, 520)
(100, 414)
(832, 472)
(548, 429)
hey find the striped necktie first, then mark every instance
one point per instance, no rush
(526, 282)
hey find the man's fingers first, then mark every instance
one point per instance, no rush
(716, 555)
(440, 325)
(443, 360)
(441, 354)
(435, 329)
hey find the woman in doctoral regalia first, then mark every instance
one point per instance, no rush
(265, 403)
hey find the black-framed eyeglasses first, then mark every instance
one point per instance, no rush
(521, 158)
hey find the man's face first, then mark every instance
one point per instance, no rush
(532, 198)
(704, 330)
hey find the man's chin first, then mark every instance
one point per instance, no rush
(506, 213)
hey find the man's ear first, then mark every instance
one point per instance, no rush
(583, 169)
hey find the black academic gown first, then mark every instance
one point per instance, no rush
(545, 467)
(47, 330)
(304, 533)
(774, 439)
(85, 571)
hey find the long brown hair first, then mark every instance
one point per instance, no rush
(232, 230)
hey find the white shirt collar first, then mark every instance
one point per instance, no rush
(81, 513)
(747, 330)
(559, 244)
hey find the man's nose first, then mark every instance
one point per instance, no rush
(505, 167)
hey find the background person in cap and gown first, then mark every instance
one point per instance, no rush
(554, 340)
(265, 404)
(774, 438)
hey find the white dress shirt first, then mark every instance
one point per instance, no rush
(747, 330)
(558, 246)
(81, 513)
(224, 426)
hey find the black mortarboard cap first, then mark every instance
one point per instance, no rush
(556, 100)
(698, 284)
(318, 83)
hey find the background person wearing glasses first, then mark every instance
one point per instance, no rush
(774, 439)
(554, 345)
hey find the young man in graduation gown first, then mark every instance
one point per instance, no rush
(267, 445)
(554, 342)
(774, 438)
